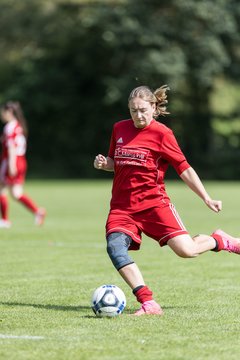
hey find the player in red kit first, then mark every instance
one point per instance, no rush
(13, 163)
(141, 149)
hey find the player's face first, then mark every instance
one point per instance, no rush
(141, 112)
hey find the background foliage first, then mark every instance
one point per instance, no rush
(73, 63)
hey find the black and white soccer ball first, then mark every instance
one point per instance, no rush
(108, 300)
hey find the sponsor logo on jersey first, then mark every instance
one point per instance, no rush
(128, 156)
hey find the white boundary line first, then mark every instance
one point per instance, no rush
(25, 337)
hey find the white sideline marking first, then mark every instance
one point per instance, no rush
(26, 337)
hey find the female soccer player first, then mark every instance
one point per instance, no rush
(141, 149)
(13, 163)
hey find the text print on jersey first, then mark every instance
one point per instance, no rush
(128, 156)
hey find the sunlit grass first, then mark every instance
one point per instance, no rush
(48, 275)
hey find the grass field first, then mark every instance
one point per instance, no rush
(48, 275)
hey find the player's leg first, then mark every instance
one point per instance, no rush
(165, 225)
(185, 246)
(133, 277)
(17, 193)
(4, 222)
(117, 248)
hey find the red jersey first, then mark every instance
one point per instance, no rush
(13, 135)
(141, 158)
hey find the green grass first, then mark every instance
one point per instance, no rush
(48, 275)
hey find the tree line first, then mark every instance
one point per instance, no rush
(72, 65)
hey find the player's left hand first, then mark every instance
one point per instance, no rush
(215, 205)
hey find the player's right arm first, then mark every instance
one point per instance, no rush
(103, 163)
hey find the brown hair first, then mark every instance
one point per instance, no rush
(16, 109)
(158, 97)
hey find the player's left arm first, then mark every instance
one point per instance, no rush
(191, 178)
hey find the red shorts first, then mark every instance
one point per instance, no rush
(19, 178)
(159, 223)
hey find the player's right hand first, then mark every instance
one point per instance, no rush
(100, 162)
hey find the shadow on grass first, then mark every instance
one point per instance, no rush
(54, 307)
(79, 308)
(48, 306)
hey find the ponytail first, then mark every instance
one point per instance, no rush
(161, 96)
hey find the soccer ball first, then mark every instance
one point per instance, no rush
(108, 300)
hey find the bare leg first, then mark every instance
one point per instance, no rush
(132, 275)
(4, 221)
(187, 247)
(17, 193)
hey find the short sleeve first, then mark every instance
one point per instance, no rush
(173, 154)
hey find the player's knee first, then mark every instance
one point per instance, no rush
(184, 246)
(14, 195)
(117, 248)
(16, 192)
